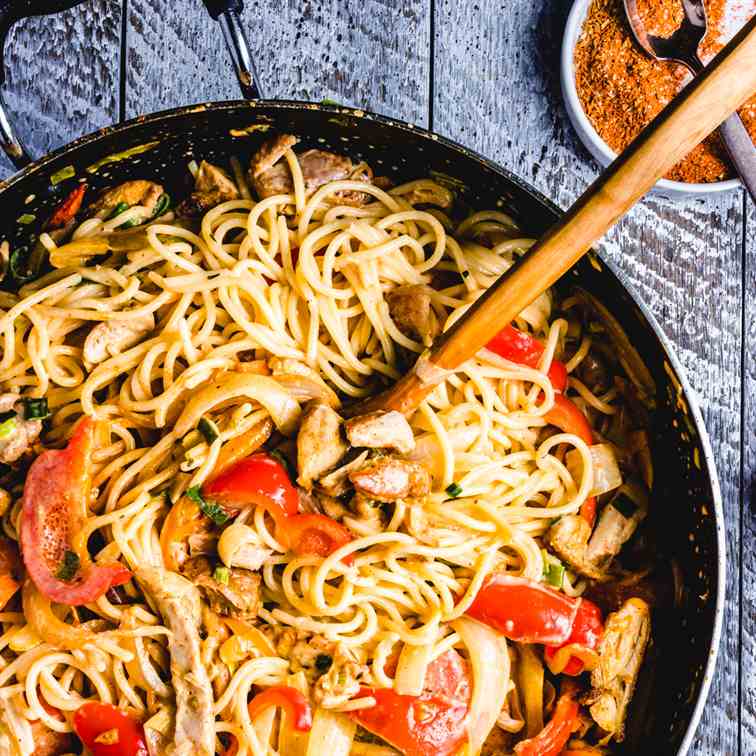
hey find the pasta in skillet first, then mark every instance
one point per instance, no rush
(210, 549)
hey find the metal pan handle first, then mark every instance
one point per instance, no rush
(227, 14)
(10, 12)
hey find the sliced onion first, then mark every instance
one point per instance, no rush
(332, 734)
(39, 614)
(489, 657)
(410, 669)
(283, 408)
(303, 389)
(530, 674)
(606, 472)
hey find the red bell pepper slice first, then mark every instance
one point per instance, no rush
(568, 417)
(54, 509)
(432, 724)
(524, 611)
(524, 349)
(587, 632)
(554, 736)
(314, 534)
(297, 708)
(68, 208)
(260, 479)
(10, 569)
(108, 731)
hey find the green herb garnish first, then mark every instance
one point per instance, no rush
(323, 662)
(19, 265)
(26, 219)
(7, 427)
(63, 174)
(222, 575)
(208, 429)
(68, 567)
(35, 409)
(210, 509)
(121, 207)
(329, 101)
(162, 205)
(454, 490)
(553, 574)
(624, 505)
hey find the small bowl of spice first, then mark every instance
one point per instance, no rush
(612, 89)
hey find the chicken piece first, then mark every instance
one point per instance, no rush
(388, 479)
(140, 192)
(381, 430)
(626, 636)
(410, 308)
(178, 601)
(21, 433)
(239, 598)
(320, 446)
(270, 175)
(337, 482)
(211, 187)
(203, 543)
(430, 194)
(591, 552)
(270, 153)
(112, 337)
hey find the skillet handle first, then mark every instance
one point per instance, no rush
(10, 12)
(227, 14)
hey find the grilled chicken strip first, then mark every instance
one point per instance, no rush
(23, 433)
(178, 601)
(410, 308)
(111, 337)
(212, 186)
(591, 552)
(388, 479)
(320, 446)
(626, 636)
(270, 175)
(381, 430)
(140, 192)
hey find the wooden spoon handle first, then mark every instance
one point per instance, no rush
(722, 88)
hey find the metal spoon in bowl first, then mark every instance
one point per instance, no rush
(682, 47)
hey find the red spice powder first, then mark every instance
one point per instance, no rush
(621, 89)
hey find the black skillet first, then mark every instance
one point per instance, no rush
(687, 502)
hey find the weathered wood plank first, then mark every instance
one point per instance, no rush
(63, 75)
(370, 54)
(748, 496)
(496, 89)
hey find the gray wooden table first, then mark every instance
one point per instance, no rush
(485, 73)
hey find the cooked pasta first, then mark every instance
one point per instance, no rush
(174, 348)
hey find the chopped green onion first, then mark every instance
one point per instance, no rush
(624, 505)
(454, 490)
(222, 575)
(329, 101)
(209, 508)
(208, 429)
(131, 223)
(68, 567)
(121, 207)
(26, 219)
(162, 205)
(553, 573)
(19, 266)
(63, 174)
(35, 409)
(7, 427)
(323, 662)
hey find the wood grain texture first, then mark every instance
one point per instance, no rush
(372, 54)
(63, 75)
(497, 90)
(748, 495)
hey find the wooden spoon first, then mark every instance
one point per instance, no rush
(722, 88)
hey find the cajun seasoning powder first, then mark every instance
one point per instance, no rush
(621, 89)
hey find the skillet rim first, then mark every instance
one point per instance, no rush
(165, 116)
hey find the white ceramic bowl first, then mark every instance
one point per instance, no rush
(589, 136)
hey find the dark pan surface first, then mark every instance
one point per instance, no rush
(686, 506)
